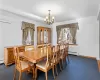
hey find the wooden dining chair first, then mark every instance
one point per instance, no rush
(21, 48)
(20, 66)
(57, 59)
(63, 55)
(54, 58)
(45, 65)
(32, 69)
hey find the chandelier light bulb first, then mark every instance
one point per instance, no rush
(53, 17)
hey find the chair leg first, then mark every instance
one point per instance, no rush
(62, 63)
(14, 75)
(56, 70)
(60, 66)
(35, 73)
(20, 75)
(68, 58)
(46, 75)
(53, 72)
(65, 62)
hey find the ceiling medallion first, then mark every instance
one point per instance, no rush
(49, 19)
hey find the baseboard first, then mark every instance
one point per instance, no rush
(73, 53)
(1, 61)
(98, 58)
(87, 57)
(98, 61)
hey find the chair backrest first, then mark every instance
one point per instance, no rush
(53, 54)
(49, 56)
(21, 48)
(66, 49)
(29, 48)
(46, 51)
(62, 51)
(40, 49)
(52, 50)
(38, 46)
(59, 49)
(17, 58)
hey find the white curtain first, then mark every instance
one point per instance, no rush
(28, 33)
(65, 36)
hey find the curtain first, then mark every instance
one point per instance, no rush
(73, 33)
(58, 35)
(26, 27)
(32, 36)
(23, 37)
(62, 35)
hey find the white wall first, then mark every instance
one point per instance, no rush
(87, 36)
(1, 43)
(99, 39)
(98, 17)
(12, 33)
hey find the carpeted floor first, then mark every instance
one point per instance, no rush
(79, 68)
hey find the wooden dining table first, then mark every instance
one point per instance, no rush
(35, 56)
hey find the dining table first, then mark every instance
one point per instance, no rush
(35, 56)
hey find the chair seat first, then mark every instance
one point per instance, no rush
(24, 65)
(41, 64)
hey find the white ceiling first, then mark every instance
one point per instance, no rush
(63, 10)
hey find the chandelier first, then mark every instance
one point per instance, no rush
(49, 19)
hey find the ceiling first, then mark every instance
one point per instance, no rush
(63, 10)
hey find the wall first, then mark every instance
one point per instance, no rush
(1, 48)
(87, 36)
(11, 32)
(98, 18)
(99, 38)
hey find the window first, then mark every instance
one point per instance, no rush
(67, 33)
(65, 36)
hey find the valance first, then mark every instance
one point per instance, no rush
(73, 25)
(27, 25)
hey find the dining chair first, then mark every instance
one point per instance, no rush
(54, 59)
(57, 58)
(21, 48)
(20, 65)
(45, 65)
(63, 55)
(30, 48)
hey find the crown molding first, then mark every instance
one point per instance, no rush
(20, 12)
